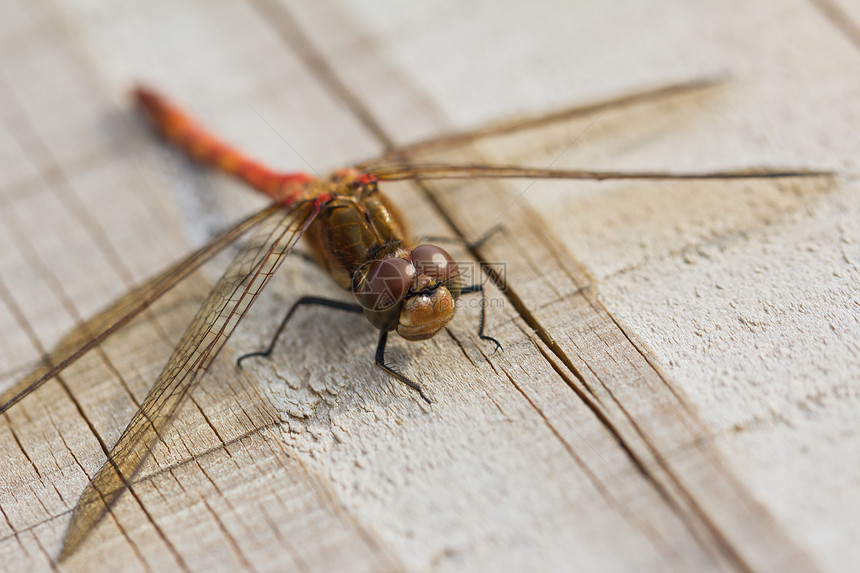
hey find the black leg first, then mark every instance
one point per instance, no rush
(481, 335)
(305, 300)
(380, 361)
(433, 239)
(499, 228)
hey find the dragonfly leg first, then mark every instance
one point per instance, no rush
(433, 239)
(380, 361)
(481, 335)
(497, 228)
(304, 301)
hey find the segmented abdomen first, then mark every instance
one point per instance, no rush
(184, 132)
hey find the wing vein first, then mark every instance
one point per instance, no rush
(218, 316)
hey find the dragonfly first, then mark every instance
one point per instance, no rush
(354, 231)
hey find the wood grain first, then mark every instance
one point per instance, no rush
(650, 409)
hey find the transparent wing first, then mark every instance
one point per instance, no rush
(452, 141)
(400, 172)
(224, 307)
(97, 329)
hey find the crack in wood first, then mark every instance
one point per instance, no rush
(283, 23)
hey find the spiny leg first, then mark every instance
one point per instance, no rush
(434, 239)
(305, 300)
(481, 335)
(479, 242)
(380, 361)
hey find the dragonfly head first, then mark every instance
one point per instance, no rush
(413, 294)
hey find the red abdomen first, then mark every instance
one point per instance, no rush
(184, 132)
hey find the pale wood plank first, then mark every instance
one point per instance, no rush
(343, 469)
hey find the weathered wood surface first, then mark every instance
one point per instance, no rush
(678, 387)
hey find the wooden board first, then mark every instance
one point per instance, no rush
(677, 387)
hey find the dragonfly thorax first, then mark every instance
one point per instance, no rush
(361, 239)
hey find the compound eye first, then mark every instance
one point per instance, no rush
(434, 262)
(387, 284)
